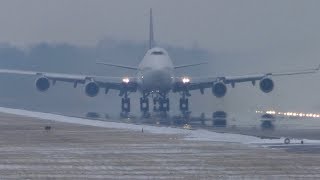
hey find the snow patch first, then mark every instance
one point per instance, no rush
(194, 135)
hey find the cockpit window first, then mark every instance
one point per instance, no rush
(157, 53)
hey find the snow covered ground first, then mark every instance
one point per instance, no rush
(194, 135)
(84, 149)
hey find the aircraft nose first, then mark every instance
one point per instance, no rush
(157, 79)
(162, 76)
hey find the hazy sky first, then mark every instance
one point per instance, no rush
(220, 26)
(244, 36)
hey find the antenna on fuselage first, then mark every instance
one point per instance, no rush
(151, 37)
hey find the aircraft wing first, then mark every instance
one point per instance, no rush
(189, 65)
(201, 83)
(116, 83)
(118, 65)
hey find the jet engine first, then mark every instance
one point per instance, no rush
(219, 89)
(266, 85)
(42, 84)
(92, 89)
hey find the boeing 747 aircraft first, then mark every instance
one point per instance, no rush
(155, 78)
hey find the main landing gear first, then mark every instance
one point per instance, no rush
(161, 104)
(125, 106)
(144, 107)
(184, 118)
(184, 104)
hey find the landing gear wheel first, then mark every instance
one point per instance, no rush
(184, 104)
(155, 105)
(144, 107)
(144, 104)
(125, 107)
(161, 104)
(164, 104)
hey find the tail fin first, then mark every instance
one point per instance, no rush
(151, 38)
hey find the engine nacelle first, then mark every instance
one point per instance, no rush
(266, 85)
(92, 89)
(219, 89)
(42, 84)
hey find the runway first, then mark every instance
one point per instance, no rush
(74, 148)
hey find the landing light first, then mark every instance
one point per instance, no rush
(185, 80)
(126, 80)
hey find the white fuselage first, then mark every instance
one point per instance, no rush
(156, 71)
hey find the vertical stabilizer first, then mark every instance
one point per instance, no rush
(151, 38)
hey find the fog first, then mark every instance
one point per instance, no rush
(235, 37)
